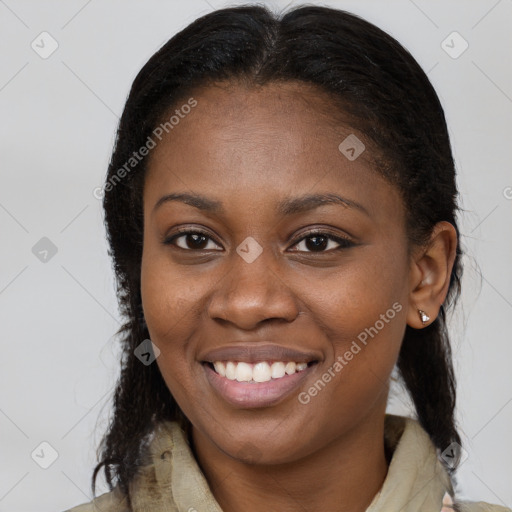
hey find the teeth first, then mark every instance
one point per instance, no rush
(243, 372)
(231, 370)
(220, 368)
(278, 370)
(290, 368)
(259, 372)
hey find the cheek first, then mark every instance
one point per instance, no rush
(359, 295)
(173, 303)
(170, 296)
(164, 305)
(169, 307)
(361, 311)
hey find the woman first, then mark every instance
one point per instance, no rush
(281, 210)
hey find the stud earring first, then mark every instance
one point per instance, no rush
(424, 317)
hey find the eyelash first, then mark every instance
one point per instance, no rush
(344, 243)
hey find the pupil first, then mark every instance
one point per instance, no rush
(196, 244)
(316, 246)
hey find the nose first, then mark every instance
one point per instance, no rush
(251, 293)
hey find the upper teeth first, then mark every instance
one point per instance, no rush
(259, 372)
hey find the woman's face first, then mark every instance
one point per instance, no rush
(260, 282)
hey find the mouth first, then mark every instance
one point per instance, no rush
(259, 384)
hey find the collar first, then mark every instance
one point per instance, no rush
(172, 481)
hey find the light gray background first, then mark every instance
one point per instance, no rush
(58, 118)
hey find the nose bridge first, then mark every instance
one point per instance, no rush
(252, 289)
(253, 269)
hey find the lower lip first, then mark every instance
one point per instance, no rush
(256, 394)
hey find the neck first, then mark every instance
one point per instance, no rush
(344, 476)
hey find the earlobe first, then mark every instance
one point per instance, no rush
(430, 274)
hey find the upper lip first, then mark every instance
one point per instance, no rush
(253, 353)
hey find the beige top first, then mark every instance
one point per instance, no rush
(173, 482)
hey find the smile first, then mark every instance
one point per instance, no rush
(262, 384)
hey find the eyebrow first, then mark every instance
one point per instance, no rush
(288, 206)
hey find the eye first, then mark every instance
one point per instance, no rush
(192, 240)
(319, 240)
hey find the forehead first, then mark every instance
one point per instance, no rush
(273, 100)
(281, 137)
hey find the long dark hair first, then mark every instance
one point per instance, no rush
(372, 79)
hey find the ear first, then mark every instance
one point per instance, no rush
(430, 271)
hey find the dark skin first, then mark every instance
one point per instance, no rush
(250, 148)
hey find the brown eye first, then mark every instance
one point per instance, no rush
(319, 241)
(192, 240)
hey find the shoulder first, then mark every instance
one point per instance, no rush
(113, 501)
(149, 487)
(480, 506)
(470, 506)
